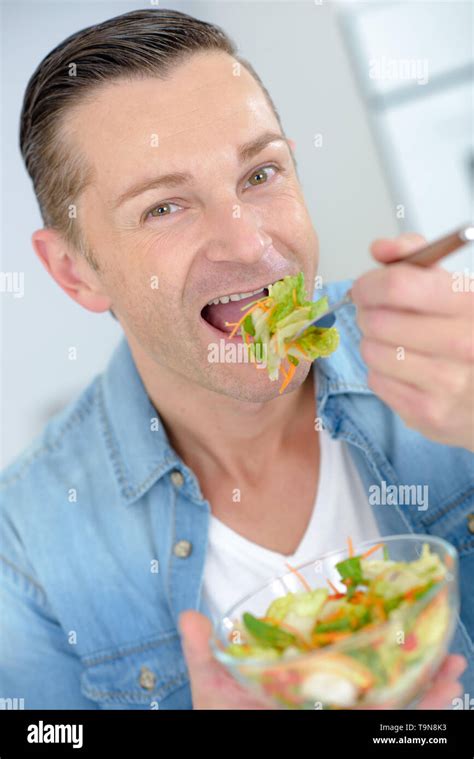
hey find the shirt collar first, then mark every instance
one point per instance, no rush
(136, 439)
(344, 371)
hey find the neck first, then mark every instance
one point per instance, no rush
(215, 433)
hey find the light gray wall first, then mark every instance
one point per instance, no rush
(297, 49)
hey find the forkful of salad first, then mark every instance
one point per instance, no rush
(284, 326)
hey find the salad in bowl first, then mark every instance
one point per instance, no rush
(361, 628)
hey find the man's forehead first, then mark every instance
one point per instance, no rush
(202, 103)
(204, 90)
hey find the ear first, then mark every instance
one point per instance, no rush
(72, 272)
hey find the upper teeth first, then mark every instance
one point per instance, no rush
(235, 296)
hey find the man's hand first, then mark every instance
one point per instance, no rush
(213, 688)
(445, 686)
(418, 342)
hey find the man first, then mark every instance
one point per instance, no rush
(165, 182)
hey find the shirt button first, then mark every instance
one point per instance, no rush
(182, 548)
(147, 678)
(470, 522)
(177, 478)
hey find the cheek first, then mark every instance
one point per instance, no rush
(136, 274)
(146, 297)
(295, 224)
(289, 208)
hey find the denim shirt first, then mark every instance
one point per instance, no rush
(104, 530)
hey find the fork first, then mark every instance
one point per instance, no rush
(425, 256)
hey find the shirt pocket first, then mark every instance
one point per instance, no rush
(146, 674)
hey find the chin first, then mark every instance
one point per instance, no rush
(247, 383)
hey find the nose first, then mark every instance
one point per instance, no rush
(236, 235)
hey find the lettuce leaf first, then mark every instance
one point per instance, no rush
(274, 324)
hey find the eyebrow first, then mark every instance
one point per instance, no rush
(245, 153)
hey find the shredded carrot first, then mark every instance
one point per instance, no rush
(299, 576)
(379, 606)
(366, 599)
(372, 550)
(351, 547)
(291, 371)
(409, 595)
(298, 345)
(338, 614)
(329, 637)
(294, 296)
(237, 324)
(333, 587)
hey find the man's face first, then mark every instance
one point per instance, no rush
(236, 225)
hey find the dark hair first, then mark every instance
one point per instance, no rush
(138, 44)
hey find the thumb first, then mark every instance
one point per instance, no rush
(386, 250)
(196, 630)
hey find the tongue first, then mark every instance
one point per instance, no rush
(220, 313)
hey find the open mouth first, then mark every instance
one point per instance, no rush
(223, 312)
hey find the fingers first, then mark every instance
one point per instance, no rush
(445, 686)
(417, 369)
(196, 631)
(411, 288)
(410, 403)
(206, 676)
(212, 686)
(386, 250)
(441, 696)
(430, 335)
(452, 667)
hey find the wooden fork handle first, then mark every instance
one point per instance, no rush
(437, 250)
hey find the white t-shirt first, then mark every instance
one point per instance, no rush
(236, 566)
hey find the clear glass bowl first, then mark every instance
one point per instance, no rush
(387, 665)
